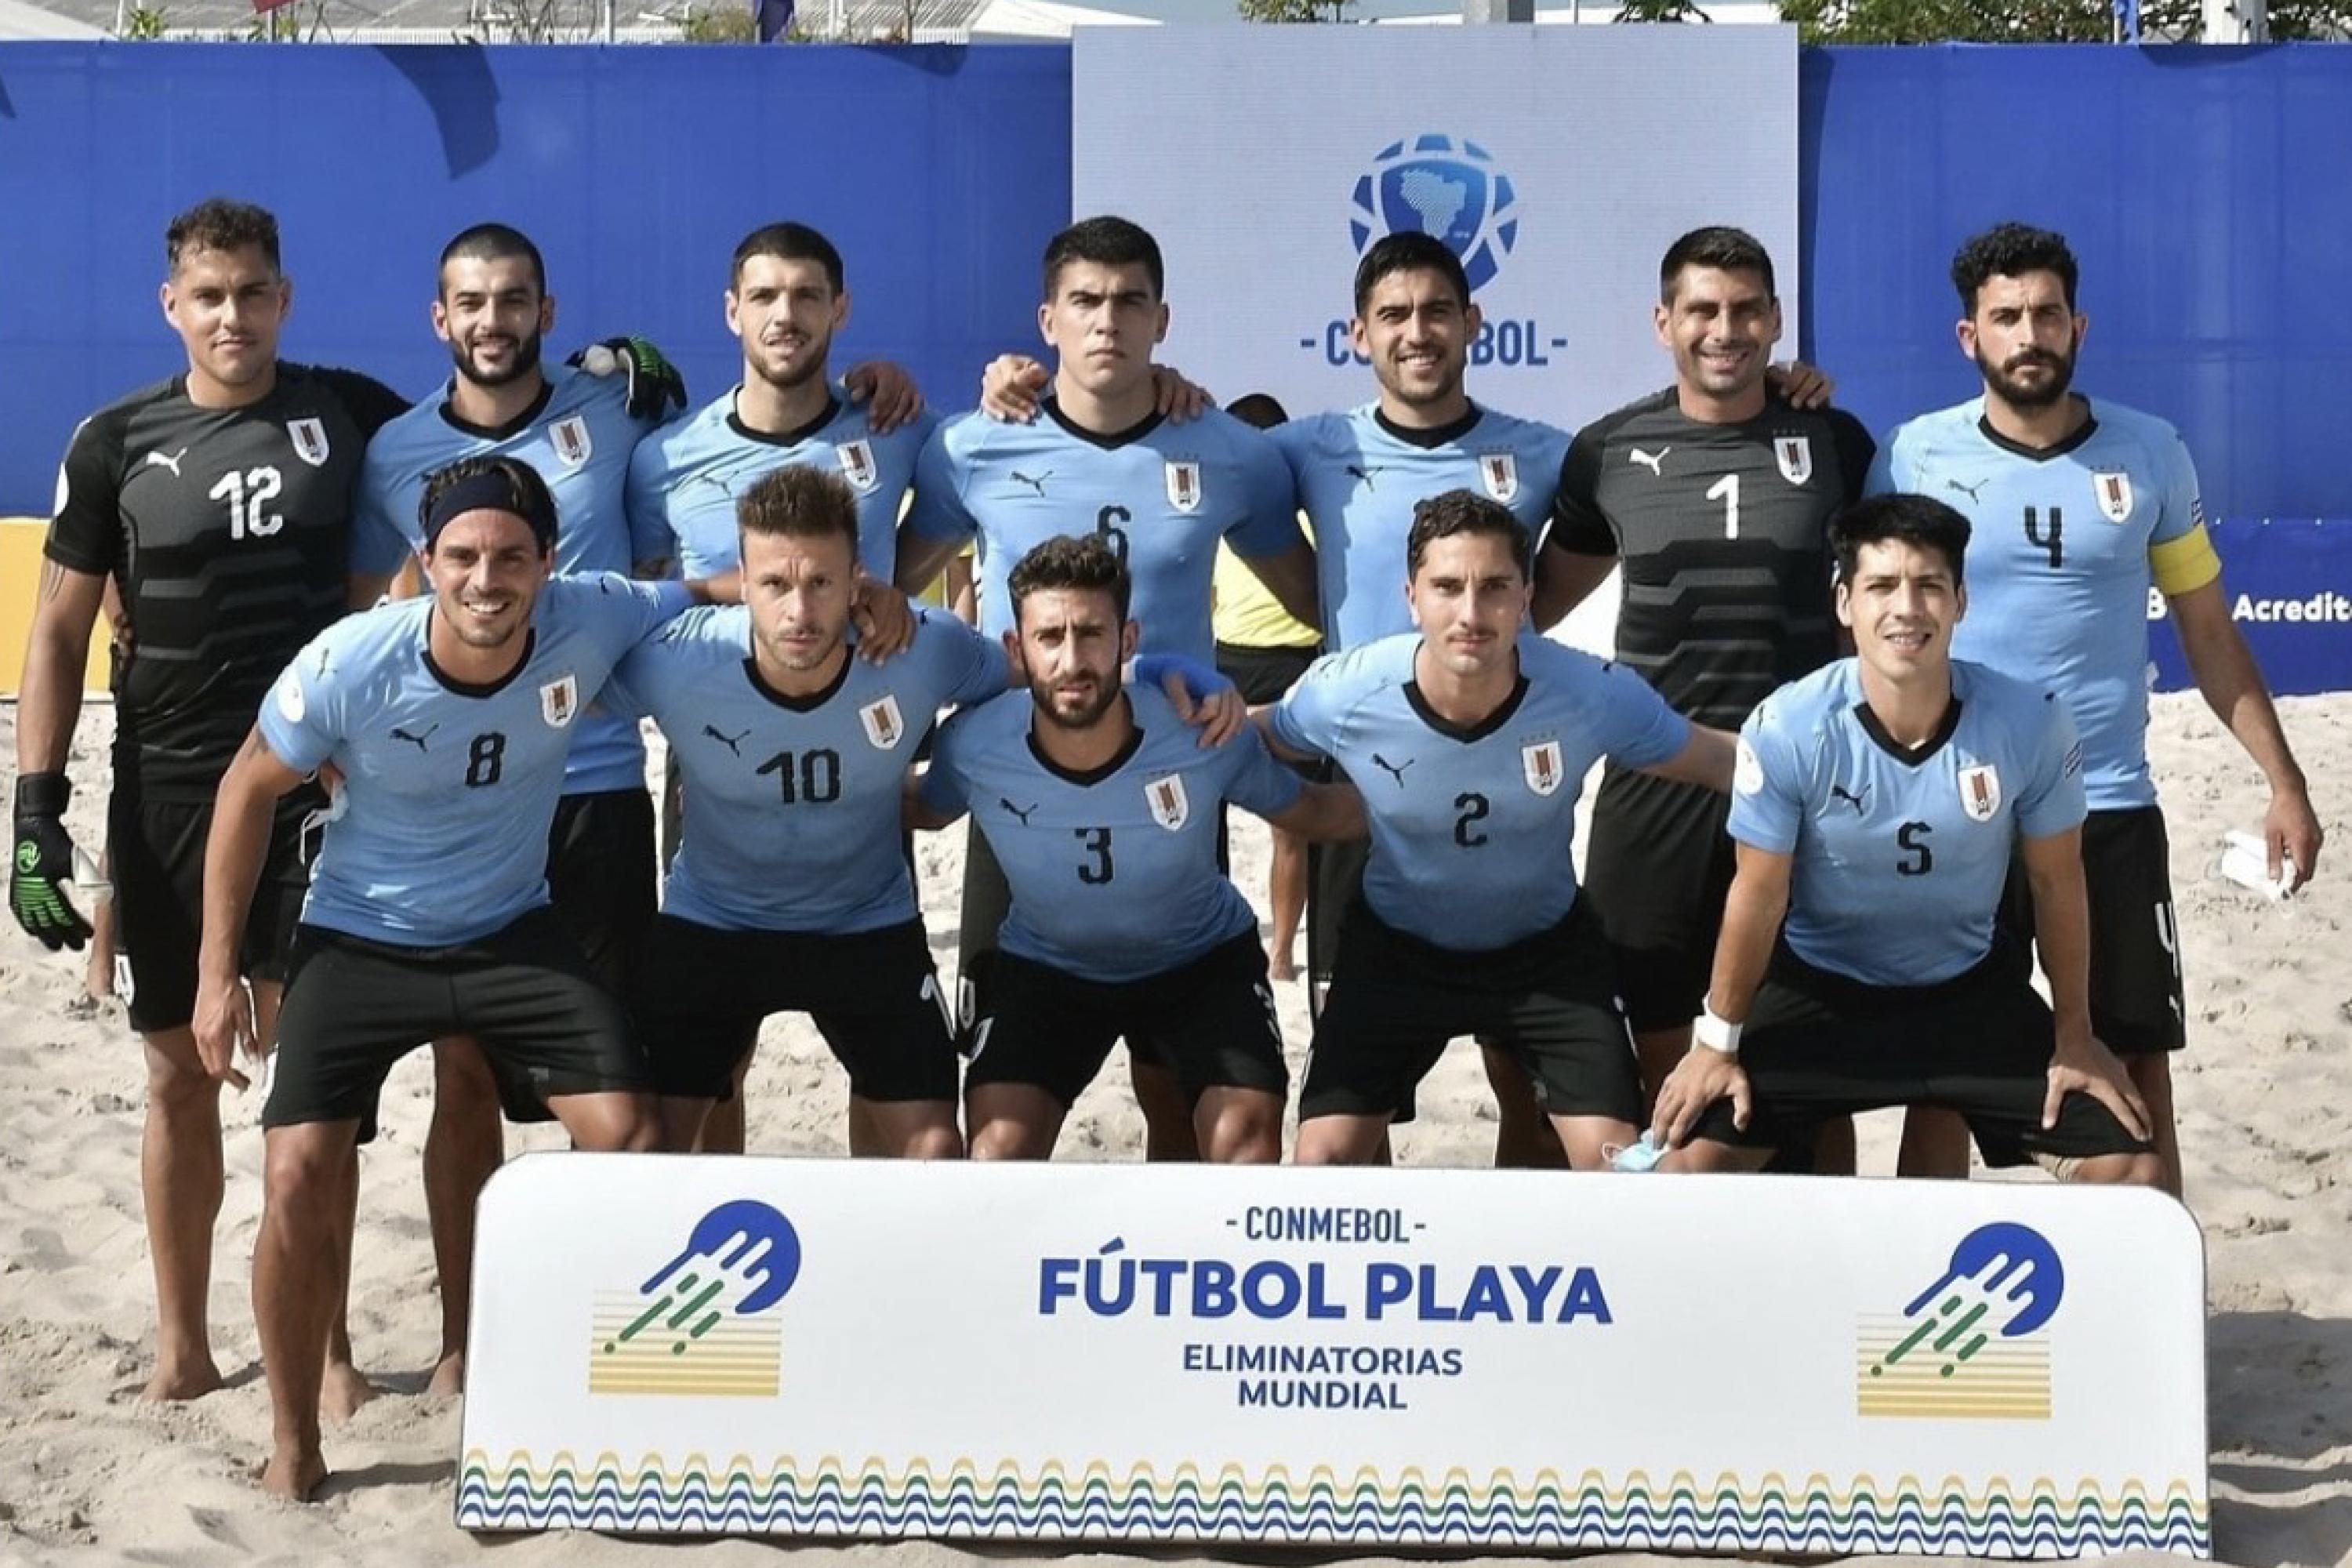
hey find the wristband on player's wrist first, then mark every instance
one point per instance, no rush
(43, 795)
(1715, 1033)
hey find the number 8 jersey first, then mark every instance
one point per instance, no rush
(2066, 544)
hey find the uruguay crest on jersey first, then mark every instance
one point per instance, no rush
(1169, 808)
(858, 466)
(1979, 791)
(559, 701)
(571, 440)
(1499, 473)
(882, 722)
(1541, 763)
(309, 437)
(1795, 455)
(2113, 486)
(1184, 485)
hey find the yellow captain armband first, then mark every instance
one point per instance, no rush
(2184, 565)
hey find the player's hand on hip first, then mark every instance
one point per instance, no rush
(885, 620)
(223, 1026)
(1011, 388)
(887, 392)
(1180, 400)
(1800, 385)
(1698, 1081)
(2291, 830)
(41, 864)
(2085, 1066)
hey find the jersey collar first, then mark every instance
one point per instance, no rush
(1089, 777)
(814, 700)
(508, 431)
(1111, 442)
(1429, 440)
(790, 437)
(457, 687)
(1896, 749)
(1468, 734)
(2089, 427)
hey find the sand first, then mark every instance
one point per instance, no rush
(88, 1473)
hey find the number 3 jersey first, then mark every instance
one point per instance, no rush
(226, 529)
(794, 803)
(1471, 827)
(2066, 544)
(1114, 872)
(449, 789)
(1900, 855)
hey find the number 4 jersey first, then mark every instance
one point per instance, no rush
(2066, 544)
(226, 529)
(449, 788)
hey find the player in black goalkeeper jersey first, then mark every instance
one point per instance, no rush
(219, 502)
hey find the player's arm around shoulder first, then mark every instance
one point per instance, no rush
(1324, 814)
(939, 794)
(1639, 731)
(938, 521)
(1580, 548)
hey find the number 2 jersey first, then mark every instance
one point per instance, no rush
(225, 529)
(1114, 872)
(1900, 855)
(2066, 544)
(449, 788)
(1471, 827)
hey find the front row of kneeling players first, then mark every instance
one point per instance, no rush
(1877, 808)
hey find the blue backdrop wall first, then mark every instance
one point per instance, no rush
(2203, 188)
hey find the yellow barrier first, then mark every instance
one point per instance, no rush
(20, 570)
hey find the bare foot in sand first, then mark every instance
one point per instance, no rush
(1280, 966)
(343, 1390)
(294, 1474)
(172, 1383)
(448, 1375)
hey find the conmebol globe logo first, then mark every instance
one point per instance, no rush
(1443, 186)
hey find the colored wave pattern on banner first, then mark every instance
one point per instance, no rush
(832, 1498)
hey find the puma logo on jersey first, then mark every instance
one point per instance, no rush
(1020, 811)
(1649, 460)
(412, 738)
(1394, 770)
(1366, 474)
(1839, 792)
(1037, 484)
(732, 743)
(172, 462)
(1967, 490)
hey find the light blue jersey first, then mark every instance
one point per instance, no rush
(685, 478)
(793, 814)
(579, 438)
(1114, 873)
(1163, 494)
(449, 790)
(1900, 857)
(1359, 477)
(1471, 828)
(2058, 569)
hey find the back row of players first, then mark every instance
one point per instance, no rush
(227, 503)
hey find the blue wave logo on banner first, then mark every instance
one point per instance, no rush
(1969, 1344)
(700, 1323)
(1442, 186)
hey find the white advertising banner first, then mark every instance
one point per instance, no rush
(1559, 164)
(1475, 1359)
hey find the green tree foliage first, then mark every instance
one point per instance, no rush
(2037, 21)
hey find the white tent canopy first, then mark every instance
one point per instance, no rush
(20, 22)
(1000, 20)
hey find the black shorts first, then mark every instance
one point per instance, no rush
(601, 875)
(1548, 1001)
(701, 992)
(1212, 1021)
(525, 994)
(2136, 1007)
(1657, 870)
(1263, 674)
(156, 857)
(1818, 1046)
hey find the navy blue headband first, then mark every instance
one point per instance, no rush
(488, 492)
